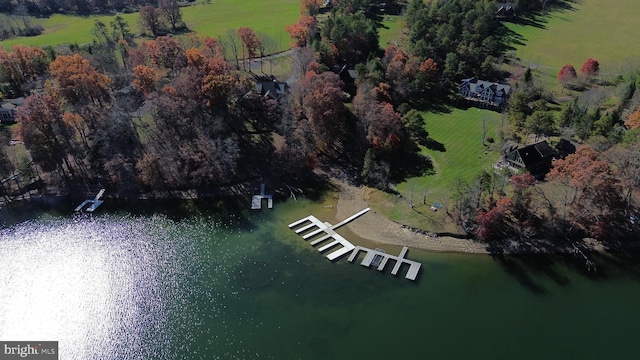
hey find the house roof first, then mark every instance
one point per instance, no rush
(534, 153)
(478, 86)
(271, 88)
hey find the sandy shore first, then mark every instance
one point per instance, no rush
(376, 227)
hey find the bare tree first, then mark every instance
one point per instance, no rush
(231, 42)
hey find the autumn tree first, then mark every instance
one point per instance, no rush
(310, 7)
(566, 74)
(45, 134)
(250, 42)
(145, 79)
(493, 224)
(596, 201)
(78, 81)
(303, 30)
(633, 122)
(591, 67)
(151, 20)
(21, 66)
(165, 52)
(170, 10)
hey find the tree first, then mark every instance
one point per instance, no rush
(166, 52)
(633, 122)
(597, 200)
(540, 123)
(78, 81)
(250, 41)
(492, 224)
(151, 20)
(566, 74)
(45, 133)
(21, 66)
(302, 30)
(310, 7)
(323, 104)
(231, 41)
(591, 67)
(170, 9)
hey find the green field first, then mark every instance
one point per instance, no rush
(604, 30)
(391, 32)
(213, 19)
(464, 157)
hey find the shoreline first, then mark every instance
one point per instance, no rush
(378, 228)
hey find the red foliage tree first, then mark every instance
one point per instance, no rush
(597, 191)
(165, 52)
(250, 41)
(323, 104)
(566, 74)
(145, 79)
(591, 67)
(491, 223)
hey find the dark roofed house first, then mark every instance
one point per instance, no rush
(536, 158)
(506, 10)
(271, 88)
(485, 93)
(7, 114)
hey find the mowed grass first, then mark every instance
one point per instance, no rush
(392, 31)
(212, 19)
(464, 158)
(603, 30)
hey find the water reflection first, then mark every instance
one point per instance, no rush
(91, 285)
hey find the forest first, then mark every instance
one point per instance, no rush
(171, 114)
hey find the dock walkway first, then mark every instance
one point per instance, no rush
(371, 256)
(256, 200)
(95, 202)
(323, 234)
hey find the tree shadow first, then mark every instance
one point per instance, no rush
(432, 144)
(412, 166)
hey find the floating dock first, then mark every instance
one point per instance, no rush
(256, 200)
(94, 203)
(323, 234)
(379, 259)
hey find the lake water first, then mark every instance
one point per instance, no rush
(241, 285)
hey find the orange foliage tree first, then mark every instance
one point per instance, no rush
(78, 81)
(301, 30)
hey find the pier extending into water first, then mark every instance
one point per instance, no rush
(380, 258)
(94, 203)
(256, 200)
(310, 227)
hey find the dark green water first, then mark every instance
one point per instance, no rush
(243, 286)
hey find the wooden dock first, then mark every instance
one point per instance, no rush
(372, 257)
(95, 202)
(256, 200)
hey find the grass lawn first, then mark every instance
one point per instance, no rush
(211, 20)
(464, 157)
(604, 30)
(392, 31)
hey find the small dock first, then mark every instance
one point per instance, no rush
(379, 259)
(256, 200)
(95, 202)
